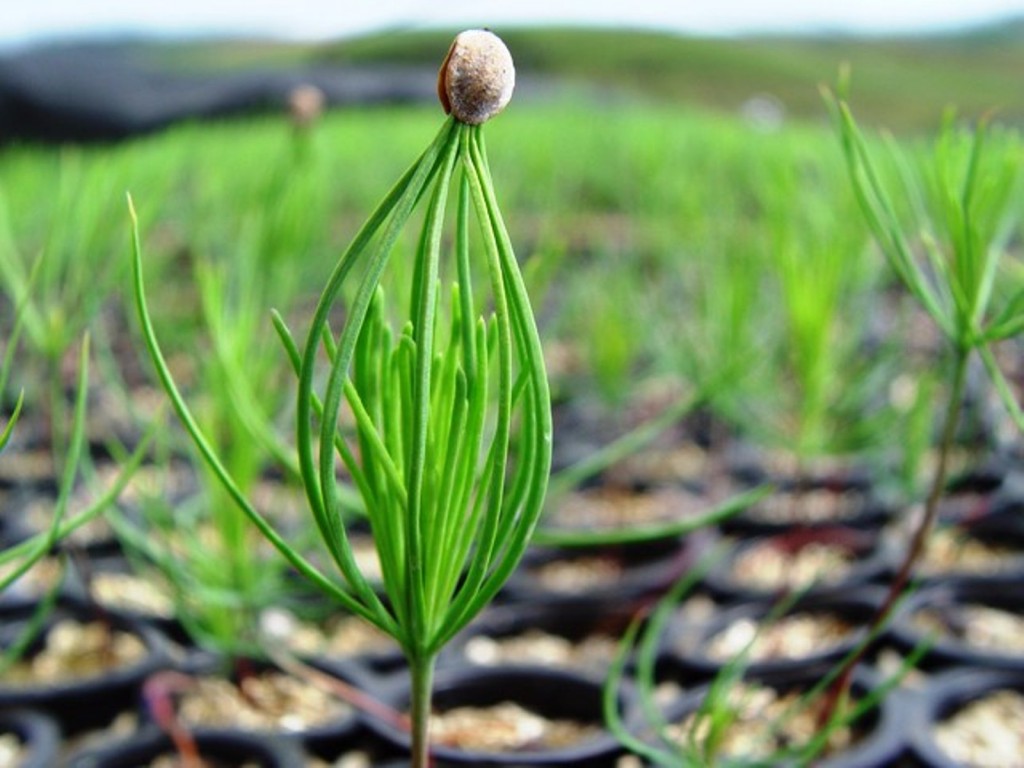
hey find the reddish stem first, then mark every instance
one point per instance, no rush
(158, 693)
(915, 551)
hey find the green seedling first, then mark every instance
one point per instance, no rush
(18, 559)
(220, 577)
(775, 320)
(7, 364)
(701, 744)
(944, 226)
(714, 336)
(823, 287)
(444, 423)
(209, 555)
(60, 293)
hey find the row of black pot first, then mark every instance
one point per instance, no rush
(645, 572)
(573, 694)
(820, 560)
(642, 573)
(46, 719)
(900, 731)
(987, 500)
(865, 531)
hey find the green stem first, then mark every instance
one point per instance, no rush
(57, 414)
(421, 675)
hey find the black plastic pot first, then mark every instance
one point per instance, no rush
(227, 747)
(882, 739)
(754, 464)
(87, 702)
(948, 601)
(364, 747)
(869, 560)
(980, 493)
(548, 692)
(687, 643)
(943, 696)
(38, 734)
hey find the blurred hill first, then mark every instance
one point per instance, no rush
(114, 89)
(902, 82)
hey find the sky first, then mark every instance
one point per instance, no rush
(27, 21)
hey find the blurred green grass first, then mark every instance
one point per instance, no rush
(643, 208)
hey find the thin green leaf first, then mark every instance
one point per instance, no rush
(5, 436)
(306, 568)
(1006, 394)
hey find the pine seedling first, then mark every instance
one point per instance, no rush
(442, 420)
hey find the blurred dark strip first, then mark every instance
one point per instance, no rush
(100, 92)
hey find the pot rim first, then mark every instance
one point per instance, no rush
(943, 694)
(947, 650)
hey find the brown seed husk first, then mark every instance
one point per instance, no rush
(477, 77)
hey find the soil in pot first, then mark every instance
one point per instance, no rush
(35, 515)
(76, 650)
(816, 561)
(614, 507)
(581, 634)
(82, 669)
(751, 463)
(362, 750)
(113, 583)
(986, 732)
(506, 727)
(339, 636)
(813, 632)
(262, 701)
(620, 572)
(963, 551)
(33, 510)
(262, 698)
(41, 579)
(682, 462)
(27, 464)
(585, 425)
